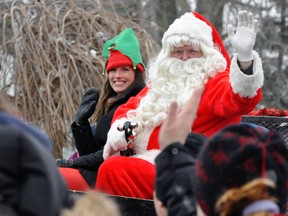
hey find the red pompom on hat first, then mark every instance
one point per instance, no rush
(117, 59)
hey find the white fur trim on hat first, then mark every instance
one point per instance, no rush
(247, 85)
(192, 27)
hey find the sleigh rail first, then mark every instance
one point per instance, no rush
(279, 124)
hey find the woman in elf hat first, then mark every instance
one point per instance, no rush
(124, 72)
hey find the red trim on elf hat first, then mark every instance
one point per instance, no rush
(117, 59)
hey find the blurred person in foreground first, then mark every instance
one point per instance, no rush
(192, 56)
(241, 170)
(9, 116)
(93, 203)
(30, 183)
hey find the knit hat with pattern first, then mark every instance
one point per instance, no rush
(235, 156)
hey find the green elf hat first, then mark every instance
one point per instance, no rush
(123, 50)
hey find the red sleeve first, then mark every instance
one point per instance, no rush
(131, 104)
(222, 101)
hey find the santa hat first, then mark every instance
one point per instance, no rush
(196, 27)
(236, 156)
(123, 50)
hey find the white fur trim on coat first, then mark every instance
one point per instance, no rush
(140, 144)
(247, 85)
(192, 27)
(148, 155)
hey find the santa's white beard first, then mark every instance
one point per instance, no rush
(171, 80)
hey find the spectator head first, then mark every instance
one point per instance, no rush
(5, 105)
(93, 203)
(243, 167)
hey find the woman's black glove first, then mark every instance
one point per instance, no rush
(64, 163)
(87, 106)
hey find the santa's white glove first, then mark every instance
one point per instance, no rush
(116, 140)
(243, 40)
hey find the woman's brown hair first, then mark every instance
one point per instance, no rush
(108, 96)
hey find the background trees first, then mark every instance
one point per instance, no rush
(51, 50)
(156, 16)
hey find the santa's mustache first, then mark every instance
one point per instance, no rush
(176, 67)
(174, 80)
(173, 76)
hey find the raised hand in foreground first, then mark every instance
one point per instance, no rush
(179, 122)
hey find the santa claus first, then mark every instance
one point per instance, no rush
(192, 56)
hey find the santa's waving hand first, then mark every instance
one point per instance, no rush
(243, 40)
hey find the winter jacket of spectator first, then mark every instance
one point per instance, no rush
(9, 120)
(174, 171)
(30, 183)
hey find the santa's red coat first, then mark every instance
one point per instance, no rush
(225, 99)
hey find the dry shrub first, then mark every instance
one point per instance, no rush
(54, 64)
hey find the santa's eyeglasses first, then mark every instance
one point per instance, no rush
(178, 53)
